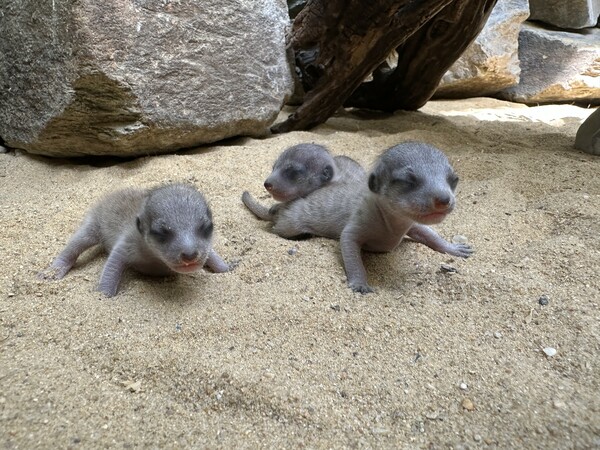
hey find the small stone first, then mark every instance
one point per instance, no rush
(550, 351)
(39, 294)
(463, 386)
(292, 251)
(477, 438)
(11, 294)
(132, 386)
(558, 404)
(3, 149)
(468, 404)
(460, 239)
(497, 335)
(448, 268)
(336, 308)
(543, 300)
(432, 415)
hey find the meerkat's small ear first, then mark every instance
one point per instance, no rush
(374, 183)
(139, 225)
(327, 173)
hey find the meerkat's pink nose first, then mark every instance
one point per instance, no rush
(189, 258)
(441, 203)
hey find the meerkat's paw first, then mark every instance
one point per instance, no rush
(107, 290)
(54, 272)
(362, 288)
(460, 250)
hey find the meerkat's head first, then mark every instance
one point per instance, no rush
(176, 224)
(300, 170)
(416, 180)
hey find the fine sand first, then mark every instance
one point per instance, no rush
(280, 353)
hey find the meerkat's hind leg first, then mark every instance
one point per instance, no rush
(86, 236)
(260, 211)
(289, 228)
(428, 236)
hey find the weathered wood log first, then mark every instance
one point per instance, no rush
(338, 43)
(424, 58)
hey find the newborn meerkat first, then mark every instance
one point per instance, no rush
(156, 231)
(300, 170)
(411, 186)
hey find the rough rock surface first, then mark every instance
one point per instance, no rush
(491, 63)
(143, 76)
(588, 134)
(557, 66)
(566, 13)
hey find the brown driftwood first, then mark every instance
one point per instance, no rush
(338, 43)
(424, 58)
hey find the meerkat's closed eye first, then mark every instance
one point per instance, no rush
(160, 232)
(293, 173)
(405, 179)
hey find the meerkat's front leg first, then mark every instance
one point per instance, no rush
(113, 269)
(428, 236)
(355, 270)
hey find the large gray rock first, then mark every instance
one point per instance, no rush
(557, 66)
(131, 77)
(566, 13)
(588, 134)
(491, 63)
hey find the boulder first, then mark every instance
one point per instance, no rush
(588, 134)
(566, 13)
(557, 66)
(132, 77)
(491, 62)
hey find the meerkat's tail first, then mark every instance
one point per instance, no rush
(260, 211)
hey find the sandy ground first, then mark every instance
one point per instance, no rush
(279, 352)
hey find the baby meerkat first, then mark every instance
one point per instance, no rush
(411, 186)
(300, 170)
(156, 231)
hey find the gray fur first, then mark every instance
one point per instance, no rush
(157, 231)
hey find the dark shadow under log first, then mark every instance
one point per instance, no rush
(338, 43)
(424, 59)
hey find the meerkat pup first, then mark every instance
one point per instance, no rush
(156, 231)
(410, 187)
(300, 170)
